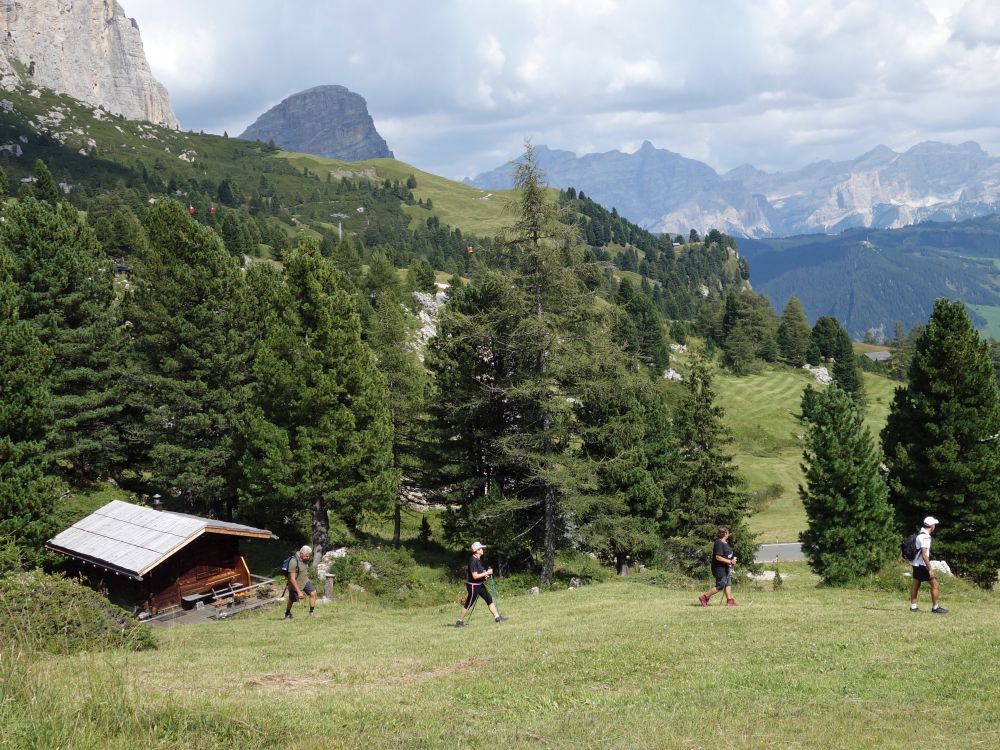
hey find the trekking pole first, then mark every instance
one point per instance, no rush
(496, 594)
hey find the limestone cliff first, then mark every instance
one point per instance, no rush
(326, 121)
(88, 49)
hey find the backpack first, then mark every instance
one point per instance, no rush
(909, 547)
(285, 565)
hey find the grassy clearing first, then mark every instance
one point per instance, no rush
(475, 211)
(617, 665)
(992, 316)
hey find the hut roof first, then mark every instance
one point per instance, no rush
(132, 539)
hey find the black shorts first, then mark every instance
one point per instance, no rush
(307, 589)
(723, 579)
(472, 590)
(920, 573)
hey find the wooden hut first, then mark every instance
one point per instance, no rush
(151, 561)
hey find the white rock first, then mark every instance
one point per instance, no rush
(356, 587)
(13, 149)
(672, 374)
(534, 591)
(679, 348)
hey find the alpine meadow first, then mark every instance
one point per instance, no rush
(276, 409)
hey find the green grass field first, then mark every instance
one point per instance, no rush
(479, 212)
(616, 665)
(762, 412)
(992, 316)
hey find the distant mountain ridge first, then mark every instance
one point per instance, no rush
(88, 49)
(667, 192)
(328, 121)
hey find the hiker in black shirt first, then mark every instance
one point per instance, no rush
(476, 585)
(722, 568)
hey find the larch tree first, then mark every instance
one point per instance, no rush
(942, 444)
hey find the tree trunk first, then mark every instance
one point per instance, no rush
(397, 522)
(550, 538)
(621, 564)
(320, 527)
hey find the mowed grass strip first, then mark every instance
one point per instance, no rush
(618, 665)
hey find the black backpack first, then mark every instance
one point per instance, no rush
(909, 547)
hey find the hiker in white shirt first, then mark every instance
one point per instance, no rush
(922, 570)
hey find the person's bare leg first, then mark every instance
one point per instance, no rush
(711, 592)
(493, 610)
(934, 592)
(914, 590)
(729, 593)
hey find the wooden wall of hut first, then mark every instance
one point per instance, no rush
(210, 562)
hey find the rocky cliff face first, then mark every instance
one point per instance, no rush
(326, 121)
(88, 49)
(666, 192)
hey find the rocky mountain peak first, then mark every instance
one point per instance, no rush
(87, 49)
(328, 121)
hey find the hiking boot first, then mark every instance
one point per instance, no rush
(312, 612)
(939, 611)
(500, 618)
(460, 624)
(730, 602)
(288, 615)
(914, 609)
(703, 600)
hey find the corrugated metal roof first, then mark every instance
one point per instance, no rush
(132, 539)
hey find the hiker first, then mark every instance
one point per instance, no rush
(476, 585)
(722, 568)
(298, 581)
(922, 570)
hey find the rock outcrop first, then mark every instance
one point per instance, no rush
(326, 121)
(88, 49)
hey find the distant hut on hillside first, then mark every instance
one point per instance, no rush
(153, 561)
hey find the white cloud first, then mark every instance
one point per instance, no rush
(454, 86)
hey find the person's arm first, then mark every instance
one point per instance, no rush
(481, 574)
(927, 561)
(293, 579)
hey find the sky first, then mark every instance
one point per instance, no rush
(455, 86)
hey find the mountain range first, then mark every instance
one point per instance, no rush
(666, 192)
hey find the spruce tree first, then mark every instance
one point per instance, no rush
(320, 437)
(65, 291)
(186, 378)
(941, 444)
(27, 497)
(708, 490)
(826, 336)
(794, 333)
(45, 187)
(850, 523)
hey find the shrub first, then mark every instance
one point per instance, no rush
(41, 612)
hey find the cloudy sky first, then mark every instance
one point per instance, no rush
(455, 86)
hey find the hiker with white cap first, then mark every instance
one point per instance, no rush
(922, 570)
(475, 585)
(299, 585)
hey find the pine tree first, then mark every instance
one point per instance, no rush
(850, 523)
(65, 285)
(627, 435)
(846, 373)
(187, 369)
(45, 187)
(708, 491)
(390, 333)
(941, 446)
(794, 333)
(26, 496)
(320, 437)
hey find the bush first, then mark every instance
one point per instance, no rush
(53, 614)
(667, 578)
(761, 498)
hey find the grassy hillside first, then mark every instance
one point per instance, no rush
(617, 665)
(762, 411)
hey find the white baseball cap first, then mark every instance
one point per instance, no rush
(930, 521)
(476, 546)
